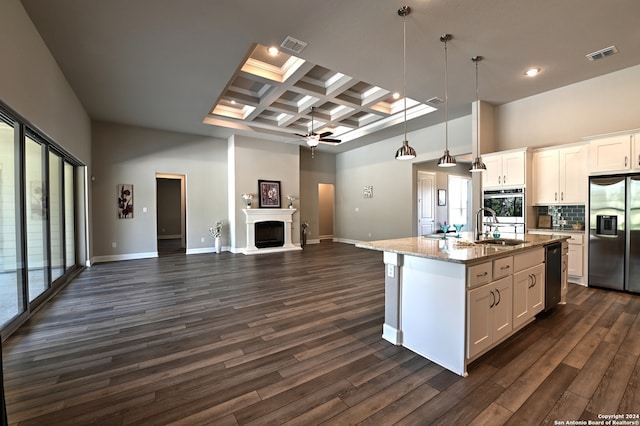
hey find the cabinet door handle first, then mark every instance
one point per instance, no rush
(493, 299)
(638, 159)
(504, 179)
(532, 279)
(499, 297)
(626, 160)
(562, 196)
(499, 179)
(555, 196)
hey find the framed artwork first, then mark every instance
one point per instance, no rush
(269, 194)
(368, 192)
(125, 201)
(442, 197)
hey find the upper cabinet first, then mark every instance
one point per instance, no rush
(560, 175)
(619, 153)
(505, 169)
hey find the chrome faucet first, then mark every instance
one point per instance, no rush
(478, 223)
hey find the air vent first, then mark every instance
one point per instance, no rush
(293, 44)
(602, 53)
(435, 101)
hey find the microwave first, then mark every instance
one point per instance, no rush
(509, 205)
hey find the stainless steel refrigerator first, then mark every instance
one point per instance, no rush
(614, 232)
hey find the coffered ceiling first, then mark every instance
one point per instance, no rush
(201, 66)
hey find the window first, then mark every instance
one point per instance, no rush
(459, 190)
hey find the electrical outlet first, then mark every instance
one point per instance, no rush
(562, 221)
(391, 272)
(202, 240)
(113, 245)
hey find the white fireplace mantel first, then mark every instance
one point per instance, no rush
(263, 215)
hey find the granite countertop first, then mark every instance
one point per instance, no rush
(458, 250)
(568, 230)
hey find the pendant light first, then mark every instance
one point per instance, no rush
(405, 152)
(446, 160)
(477, 165)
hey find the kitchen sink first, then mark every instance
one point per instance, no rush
(502, 242)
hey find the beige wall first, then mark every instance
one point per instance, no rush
(253, 159)
(133, 155)
(600, 105)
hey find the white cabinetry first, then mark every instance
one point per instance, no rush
(614, 154)
(489, 314)
(506, 168)
(576, 254)
(528, 286)
(560, 175)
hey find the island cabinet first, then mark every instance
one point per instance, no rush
(451, 301)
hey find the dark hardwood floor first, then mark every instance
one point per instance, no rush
(295, 338)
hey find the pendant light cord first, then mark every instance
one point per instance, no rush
(446, 97)
(404, 72)
(477, 59)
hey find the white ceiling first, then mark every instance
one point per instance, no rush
(165, 64)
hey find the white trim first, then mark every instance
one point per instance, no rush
(132, 256)
(391, 334)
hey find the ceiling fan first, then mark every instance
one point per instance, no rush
(313, 139)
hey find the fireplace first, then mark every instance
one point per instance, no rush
(269, 230)
(269, 233)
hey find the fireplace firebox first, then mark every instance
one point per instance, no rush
(269, 233)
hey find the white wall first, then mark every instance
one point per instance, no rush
(133, 155)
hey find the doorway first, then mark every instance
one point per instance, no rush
(170, 214)
(426, 203)
(326, 210)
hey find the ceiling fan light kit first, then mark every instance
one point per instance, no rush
(446, 160)
(477, 165)
(313, 139)
(405, 152)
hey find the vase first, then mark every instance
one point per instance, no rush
(218, 244)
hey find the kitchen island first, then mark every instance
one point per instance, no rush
(451, 300)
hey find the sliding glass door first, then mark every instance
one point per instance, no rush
(11, 261)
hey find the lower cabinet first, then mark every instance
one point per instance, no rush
(489, 316)
(528, 294)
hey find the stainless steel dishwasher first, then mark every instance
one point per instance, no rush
(552, 275)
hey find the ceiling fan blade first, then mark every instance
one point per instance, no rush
(331, 140)
(325, 134)
(302, 136)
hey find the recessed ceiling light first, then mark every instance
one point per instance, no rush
(532, 72)
(396, 95)
(273, 51)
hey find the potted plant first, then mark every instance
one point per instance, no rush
(216, 233)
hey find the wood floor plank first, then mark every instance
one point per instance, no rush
(295, 338)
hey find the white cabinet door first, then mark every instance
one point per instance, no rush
(612, 154)
(546, 177)
(503, 308)
(636, 152)
(493, 175)
(528, 294)
(489, 315)
(575, 262)
(573, 175)
(513, 168)
(480, 319)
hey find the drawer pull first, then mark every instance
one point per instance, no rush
(482, 275)
(505, 267)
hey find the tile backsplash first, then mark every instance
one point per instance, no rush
(571, 214)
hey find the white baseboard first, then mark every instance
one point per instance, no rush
(130, 256)
(169, 237)
(391, 334)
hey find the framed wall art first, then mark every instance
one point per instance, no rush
(125, 201)
(442, 197)
(269, 194)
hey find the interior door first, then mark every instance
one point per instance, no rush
(426, 203)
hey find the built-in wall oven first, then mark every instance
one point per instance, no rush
(509, 205)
